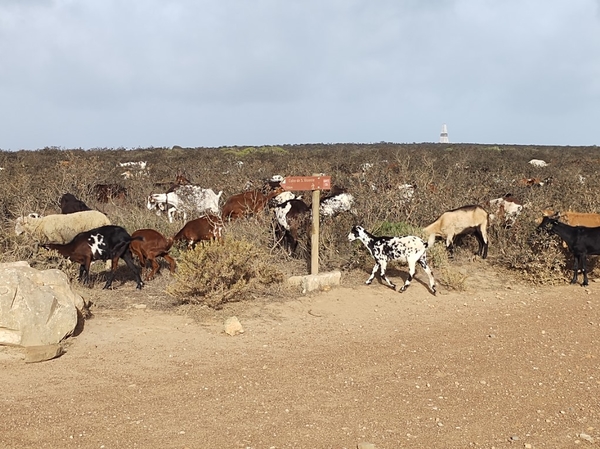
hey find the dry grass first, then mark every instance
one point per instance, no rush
(216, 273)
(446, 176)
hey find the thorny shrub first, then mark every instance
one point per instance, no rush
(216, 273)
(444, 176)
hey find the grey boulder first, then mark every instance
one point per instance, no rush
(36, 307)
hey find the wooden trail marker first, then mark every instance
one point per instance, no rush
(316, 183)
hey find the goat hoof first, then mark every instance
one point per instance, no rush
(140, 285)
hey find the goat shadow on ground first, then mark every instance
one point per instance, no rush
(123, 275)
(399, 277)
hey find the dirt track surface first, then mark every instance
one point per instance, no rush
(503, 364)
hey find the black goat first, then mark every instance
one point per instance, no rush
(69, 204)
(104, 243)
(582, 242)
(291, 217)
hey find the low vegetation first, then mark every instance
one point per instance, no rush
(219, 272)
(445, 176)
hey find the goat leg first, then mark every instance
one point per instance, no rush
(129, 261)
(171, 261)
(411, 273)
(383, 266)
(485, 251)
(425, 266)
(155, 269)
(575, 268)
(375, 268)
(584, 271)
(111, 274)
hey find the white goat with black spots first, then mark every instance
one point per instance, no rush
(409, 249)
(336, 202)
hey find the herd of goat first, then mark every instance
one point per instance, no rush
(84, 235)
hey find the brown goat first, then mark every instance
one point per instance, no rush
(152, 245)
(534, 182)
(107, 192)
(207, 227)
(589, 220)
(247, 203)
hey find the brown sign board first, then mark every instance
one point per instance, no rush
(306, 183)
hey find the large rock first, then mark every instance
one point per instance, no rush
(36, 307)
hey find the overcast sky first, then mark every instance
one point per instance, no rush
(210, 73)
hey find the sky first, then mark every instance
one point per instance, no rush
(212, 73)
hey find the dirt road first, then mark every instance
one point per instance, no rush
(501, 365)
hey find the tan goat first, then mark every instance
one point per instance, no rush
(464, 220)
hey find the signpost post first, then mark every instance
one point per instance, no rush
(316, 183)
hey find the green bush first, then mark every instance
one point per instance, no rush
(220, 272)
(397, 229)
(242, 152)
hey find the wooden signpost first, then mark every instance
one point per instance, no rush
(316, 183)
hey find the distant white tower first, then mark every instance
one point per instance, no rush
(444, 134)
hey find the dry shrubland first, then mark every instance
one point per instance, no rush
(446, 176)
(237, 268)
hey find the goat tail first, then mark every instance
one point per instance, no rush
(121, 247)
(170, 242)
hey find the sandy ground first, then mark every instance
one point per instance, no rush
(503, 364)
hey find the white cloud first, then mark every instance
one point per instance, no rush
(105, 73)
